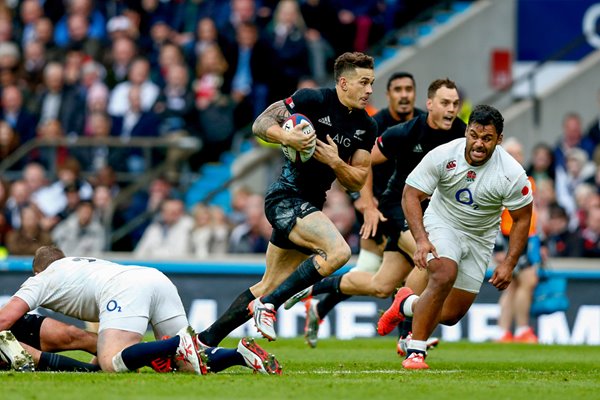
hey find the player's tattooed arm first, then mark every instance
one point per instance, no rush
(267, 125)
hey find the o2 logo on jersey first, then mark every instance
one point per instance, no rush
(113, 306)
(464, 196)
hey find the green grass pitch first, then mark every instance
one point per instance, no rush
(364, 369)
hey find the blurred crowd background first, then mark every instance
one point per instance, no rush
(117, 88)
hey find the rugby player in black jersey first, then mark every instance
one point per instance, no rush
(401, 95)
(305, 245)
(406, 144)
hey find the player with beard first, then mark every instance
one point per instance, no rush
(470, 181)
(407, 144)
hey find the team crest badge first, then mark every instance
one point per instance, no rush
(471, 175)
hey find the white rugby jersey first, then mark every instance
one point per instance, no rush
(72, 286)
(467, 197)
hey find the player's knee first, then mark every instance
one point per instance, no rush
(383, 291)
(339, 256)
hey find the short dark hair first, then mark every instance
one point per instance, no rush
(400, 75)
(485, 115)
(44, 256)
(350, 61)
(438, 83)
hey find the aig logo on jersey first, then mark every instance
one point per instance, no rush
(451, 165)
(471, 175)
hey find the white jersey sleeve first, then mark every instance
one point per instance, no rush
(519, 194)
(425, 176)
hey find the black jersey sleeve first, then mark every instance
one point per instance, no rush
(394, 139)
(304, 101)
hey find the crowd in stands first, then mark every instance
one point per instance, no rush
(158, 69)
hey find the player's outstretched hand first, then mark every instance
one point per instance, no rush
(326, 153)
(424, 247)
(372, 217)
(502, 276)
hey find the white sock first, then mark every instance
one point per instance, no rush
(368, 261)
(420, 345)
(521, 330)
(118, 364)
(407, 307)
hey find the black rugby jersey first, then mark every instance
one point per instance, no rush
(407, 144)
(383, 172)
(350, 130)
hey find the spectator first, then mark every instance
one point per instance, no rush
(30, 236)
(123, 52)
(9, 141)
(59, 102)
(96, 101)
(251, 236)
(19, 198)
(136, 122)
(571, 138)
(210, 232)
(340, 211)
(34, 60)
(31, 11)
(542, 163)
(138, 75)
(590, 236)
(175, 102)
(52, 200)
(289, 56)
(44, 33)
(215, 108)
(169, 54)
(249, 86)
(50, 156)
(83, 8)
(16, 115)
(80, 233)
(576, 171)
(241, 11)
(169, 236)
(78, 27)
(109, 217)
(560, 241)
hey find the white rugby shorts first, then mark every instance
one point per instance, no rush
(138, 297)
(472, 254)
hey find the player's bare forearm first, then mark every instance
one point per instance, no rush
(411, 206)
(11, 312)
(354, 175)
(366, 193)
(519, 233)
(267, 125)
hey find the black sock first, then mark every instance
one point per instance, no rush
(142, 354)
(57, 362)
(220, 358)
(330, 301)
(236, 315)
(304, 276)
(405, 327)
(329, 284)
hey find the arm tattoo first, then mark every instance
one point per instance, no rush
(275, 114)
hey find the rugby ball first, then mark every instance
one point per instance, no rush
(291, 153)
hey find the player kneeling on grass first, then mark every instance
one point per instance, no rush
(470, 182)
(124, 299)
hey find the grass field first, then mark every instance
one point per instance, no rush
(363, 369)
